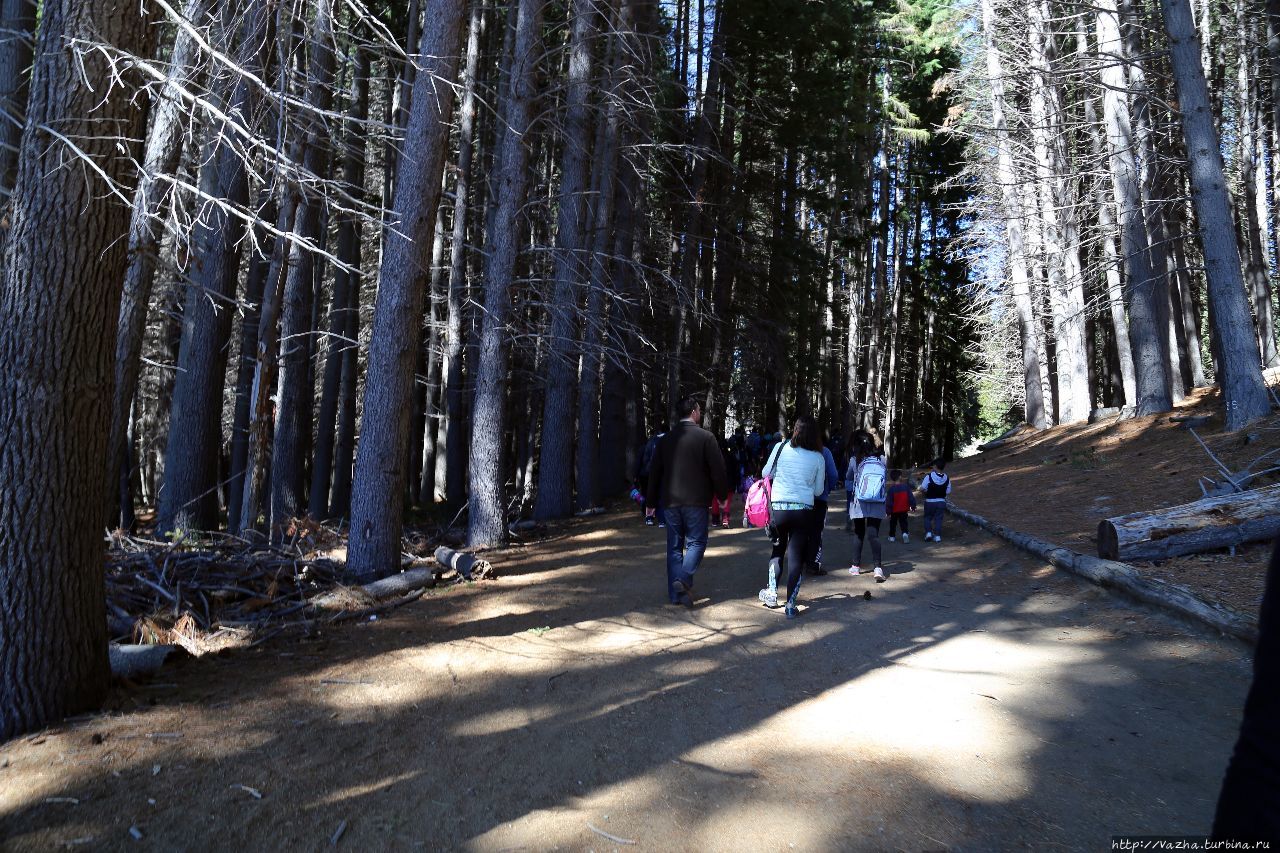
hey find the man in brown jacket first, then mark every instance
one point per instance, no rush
(687, 470)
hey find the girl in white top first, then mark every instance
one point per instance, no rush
(799, 474)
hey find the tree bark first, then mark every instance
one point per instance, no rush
(294, 394)
(1147, 323)
(1033, 382)
(64, 257)
(455, 449)
(250, 321)
(1204, 525)
(1249, 130)
(487, 523)
(555, 460)
(1153, 205)
(601, 237)
(189, 499)
(377, 497)
(17, 39)
(1066, 287)
(1239, 368)
(160, 157)
(346, 285)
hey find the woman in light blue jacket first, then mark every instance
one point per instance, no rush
(799, 474)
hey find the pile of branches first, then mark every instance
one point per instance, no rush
(210, 594)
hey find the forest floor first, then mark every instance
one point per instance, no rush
(1058, 484)
(979, 700)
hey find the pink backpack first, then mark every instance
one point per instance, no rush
(759, 496)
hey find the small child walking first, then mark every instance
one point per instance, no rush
(936, 487)
(900, 502)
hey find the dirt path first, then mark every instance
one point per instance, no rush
(979, 701)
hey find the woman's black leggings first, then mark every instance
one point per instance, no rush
(864, 529)
(794, 528)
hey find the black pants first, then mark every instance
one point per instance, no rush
(864, 529)
(794, 529)
(1247, 804)
(813, 558)
(898, 519)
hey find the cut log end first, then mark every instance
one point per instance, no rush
(1108, 542)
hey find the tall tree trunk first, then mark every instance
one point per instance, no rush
(17, 38)
(1249, 132)
(1017, 260)
(253, 512)
(1066, 289)
(555, 460)
(346, 284)
(294, 397)
(1153, 203)
(59, 302)
(160, 158)
(1119, 325)
(1239, 371)
(189, 498)
(455, 447)
(425, 493)
(487, 522)
(344, 446)
(1147, 324)
(601, 239)
(1186, 301)
(377, 505)
(1273, 61)
(250, 321)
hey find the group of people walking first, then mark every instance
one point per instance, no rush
(687, 472)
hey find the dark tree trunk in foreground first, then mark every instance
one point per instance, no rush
(59, 300)
(1239, 369)
(487, 523)
(377, 501)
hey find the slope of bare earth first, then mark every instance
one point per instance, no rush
(978, 700)
(1058, 484)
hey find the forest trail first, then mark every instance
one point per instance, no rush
(980, 700)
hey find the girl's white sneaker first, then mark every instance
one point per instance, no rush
(879, 574)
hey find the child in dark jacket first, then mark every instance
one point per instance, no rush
(900, 501)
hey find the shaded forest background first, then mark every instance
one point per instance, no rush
(266, 260)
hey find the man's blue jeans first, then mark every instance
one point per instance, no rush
(686, 542)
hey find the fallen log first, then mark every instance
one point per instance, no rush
(1221, 521)
(1005, 437)
(1125, 579)
(132, 661)
(463, 563)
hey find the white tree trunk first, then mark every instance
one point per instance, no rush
(1239, 368)
(1147, 326)
(1005, 174)
(1061, 232)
